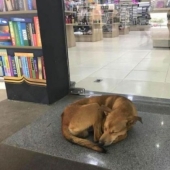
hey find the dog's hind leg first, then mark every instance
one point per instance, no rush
(78, 133)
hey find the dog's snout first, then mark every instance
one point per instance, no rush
(101, 143)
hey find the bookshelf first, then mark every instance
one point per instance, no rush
(35, 72)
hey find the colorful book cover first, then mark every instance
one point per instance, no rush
(36, 67)
(29, 33)
(14, 67)
(5, 35)
(16, 33)
(24, 34)
(4, 65)
(10, 66)
(33, 68)
(34, 34)
(21, 4)
(17, 66)
(30, 5)
(37, 30)
(29, 66)
(2, 71)
(11, 26)
(20, 32)
(3, 53)
(40, 68)
(26, 66)
(20, 65)
(23, 67)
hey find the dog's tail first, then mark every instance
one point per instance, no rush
(82, 142)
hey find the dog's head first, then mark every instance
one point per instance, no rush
(115, 127)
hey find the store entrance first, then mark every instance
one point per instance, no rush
(119, 47)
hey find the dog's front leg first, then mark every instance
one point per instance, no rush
(97, 131)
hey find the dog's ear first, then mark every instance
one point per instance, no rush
(134, 119)
(105, 109)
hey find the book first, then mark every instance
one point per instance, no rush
(11, 26)
(43, 68)
(36, 67)
(20, 33)
(40, 74)
(21, 5)
(37, 30)
(27, 20)
(10, 66)
(33, 68)
(34, 4)
(2, 5)
(5, 35)
(16, 5)
(8, 5)
(30, 5)
(29, 34)
(17, 66)
(34, 34)
(13, 65)
(2, 71)
(24, 34)
(16, 34)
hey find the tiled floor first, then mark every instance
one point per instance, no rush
(127, 64)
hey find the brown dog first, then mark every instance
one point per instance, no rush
(110, 116)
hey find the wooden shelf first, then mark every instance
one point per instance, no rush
(21, 47)
(71, 12)
(162, 10)
(19, 12)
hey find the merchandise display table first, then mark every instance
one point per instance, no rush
(124, 31)
(114, 33)
(97, 34)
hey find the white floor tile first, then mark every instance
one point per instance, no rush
(109, 73)
(139, 88)
(106, 85)
(147, 76)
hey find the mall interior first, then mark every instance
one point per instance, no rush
(53, 53)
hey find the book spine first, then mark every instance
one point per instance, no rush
(25, 5)
(8, 5)
(20, 33)
(2, 71)
(7, 65)
(40, 68)
(11, 27)
(4, 64)
(23, 66)
(29, 66)
(10, 66)
(28, 33)
(12, 3)
(27, 20)
(34, 34)
(43, 68)
(1, 5)
(24, 34)
(29, 2)
(5, 37)
(33, 68)
(31, 34)
(36, 67)
(37, 29)
(20, 66)
(26, 67)
(34, 4)
(17, 66)
(21, 4)
(16, 5)
(14, 66)
(17, 42)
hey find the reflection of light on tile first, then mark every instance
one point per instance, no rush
(94, 161)
(162, 123)
(2, 85)
(157, 145)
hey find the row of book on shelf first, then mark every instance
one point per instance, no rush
(22, 64)
(17, 5)
(20, 32)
